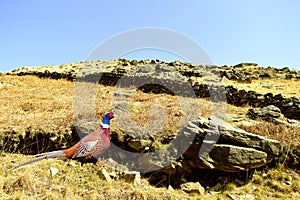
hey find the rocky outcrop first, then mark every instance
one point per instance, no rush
(290, 107)
(233, 140)
(218, 146)
(246, 72)
(217, 149)
(271, 113)
(243, 72)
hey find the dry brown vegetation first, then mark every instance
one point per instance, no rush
(29, 102)
(36, 103)
(286, 135)
(87, 182)
(71, 182)
(288, 88)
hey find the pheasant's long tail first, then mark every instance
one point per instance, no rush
(38, 157)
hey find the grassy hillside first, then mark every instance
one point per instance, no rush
(44, 106)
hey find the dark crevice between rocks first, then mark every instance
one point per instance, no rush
(206, 177)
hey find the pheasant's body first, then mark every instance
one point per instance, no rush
(88, 149)
(90, 146)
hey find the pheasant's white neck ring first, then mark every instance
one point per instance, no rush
(104, 125)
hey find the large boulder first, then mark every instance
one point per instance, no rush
(217, 152)
(214, 146)
(229, 148)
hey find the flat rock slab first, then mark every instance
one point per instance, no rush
(229, 157)
(228, 134)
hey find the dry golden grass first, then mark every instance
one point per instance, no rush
(286, 135)
(29, 102)
(71, 182)
(273, 184)
(288, 88)
(88, 182)
(45, 104)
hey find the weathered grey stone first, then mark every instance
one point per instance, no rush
(266, 113)
(106, 175)
(190, 187)
(241, 196)
(232, 135)
(53, 171)
(139, 144)
(229, 157)
(267, 85)
(133, 176)
(272, 113)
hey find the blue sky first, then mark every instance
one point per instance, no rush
(35, 32)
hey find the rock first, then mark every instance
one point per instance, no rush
(137, 179)
(240, 120)
(53, 171)
(234, 158)
(133, 176)
(216, 188)
(228, 148)
(221, 150)
(264, 75)
(242, 65)
(235, 136)
(225, 80)
(106, 175)
(170, 188)
(266, 113)
(72, 163)
(191, 187)
(241, 196)
(289, 76)
(272, 114)
(134, 62)
(139, 144)
(293, 122)
(267, 85)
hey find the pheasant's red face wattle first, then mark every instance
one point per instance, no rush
(110, 115)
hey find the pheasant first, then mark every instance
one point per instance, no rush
(87, 149)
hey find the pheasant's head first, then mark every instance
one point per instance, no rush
(106, 119)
